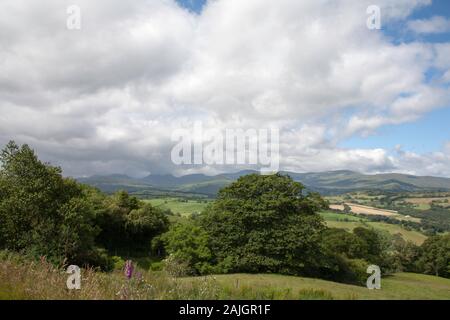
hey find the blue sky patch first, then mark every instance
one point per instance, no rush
(192, 5)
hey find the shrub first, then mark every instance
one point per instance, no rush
(129, 225)
(187, 244)
(357, 271)
(176, 267)
(157, 266)
(119, 263)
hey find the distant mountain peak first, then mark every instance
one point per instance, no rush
(329, 182)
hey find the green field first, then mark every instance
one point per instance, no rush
(333, 216)
(350, 222)
(414, 236)
(423, 206)
(180, 206)
(398, 286)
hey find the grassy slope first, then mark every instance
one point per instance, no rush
(398, 286)
(414, 236)
(333, 216)
(40, 280)
(176, 206)
(349, 222)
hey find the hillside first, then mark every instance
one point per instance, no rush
(42, 281)
(332, 182)
(347, 181)
(402, 286)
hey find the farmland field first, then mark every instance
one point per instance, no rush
(333, 216)
(425, 203)
(367, 210)
(360, 209)
(180, 206)
(414, 236)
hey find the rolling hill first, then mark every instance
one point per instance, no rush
(399, 286)
(332, 182)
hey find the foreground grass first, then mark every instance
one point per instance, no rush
(21, 279)
(396, 287)
(39, 280)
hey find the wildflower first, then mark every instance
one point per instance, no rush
(129, 269)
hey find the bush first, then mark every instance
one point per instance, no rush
(119, 263)
(357, 271)
(339, 241)
(187, 244)
(129, 225)
(157, 266)
(176, 267)
(337, 267)
(97, 258)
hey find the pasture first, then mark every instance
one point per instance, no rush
(425, 203)
(270, 286)
(333, 216)
(184, 207)
(367, 210)
(414, 236)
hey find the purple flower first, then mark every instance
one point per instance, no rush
(129, 269)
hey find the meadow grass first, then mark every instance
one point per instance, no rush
(333, 216)
(39, 280)
(22, 279)
(398, 286)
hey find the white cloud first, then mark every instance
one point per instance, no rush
(433, 163)
(106, 98)
(446, 76)
(436, 24)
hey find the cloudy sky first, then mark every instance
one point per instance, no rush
(107, 98)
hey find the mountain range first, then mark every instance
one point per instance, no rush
(331, 182)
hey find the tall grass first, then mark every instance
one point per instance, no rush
(24, 278)
(21, 278)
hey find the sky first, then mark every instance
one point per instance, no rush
(106, 99)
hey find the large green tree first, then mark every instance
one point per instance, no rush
(40, 211)
(264, 224)
(435, 257)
